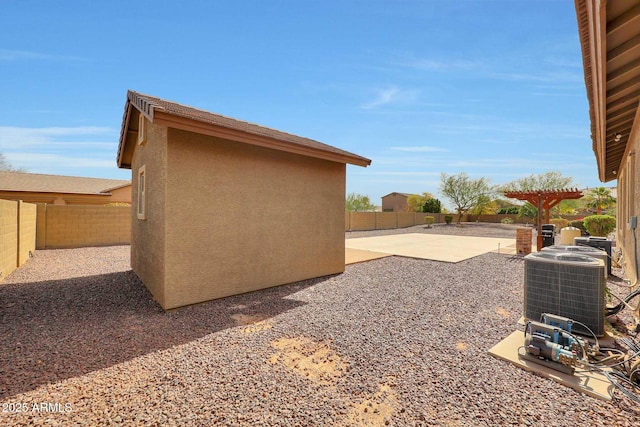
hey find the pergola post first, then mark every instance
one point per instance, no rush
(544, 199)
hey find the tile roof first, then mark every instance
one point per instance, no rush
(33, 182)
(148, 105)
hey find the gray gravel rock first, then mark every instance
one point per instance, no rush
(394, 341)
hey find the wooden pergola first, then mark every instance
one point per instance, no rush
(544, 200)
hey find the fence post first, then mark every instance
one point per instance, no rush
(18, 240)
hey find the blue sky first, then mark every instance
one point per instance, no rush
(493, 88)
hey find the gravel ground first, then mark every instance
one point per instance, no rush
(395, 341)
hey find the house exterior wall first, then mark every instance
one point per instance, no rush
(241, 218)
(121, 195)
(394, 202)
(628, 206)
(148, 235)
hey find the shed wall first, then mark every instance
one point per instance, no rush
(241, 218)
(148, 235)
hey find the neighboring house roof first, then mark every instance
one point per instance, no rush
(40, 183)
(610, 39)
(398, 194)
(171, 114)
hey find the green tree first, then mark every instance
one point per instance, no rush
(528, 211)
(484, 205)
(599, 198)
(551, 180)
(5, 166)
(599, 225)
(565, 207)
(432, 205)
(463, 191)
(358, 203)
(415, 202)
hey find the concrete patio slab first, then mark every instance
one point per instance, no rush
(353, 256)
(438, 247)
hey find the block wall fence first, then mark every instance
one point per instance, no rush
(25, 227)
(361, 221)
(17, 234)
(74, 226)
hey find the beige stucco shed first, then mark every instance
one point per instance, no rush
(222, 206)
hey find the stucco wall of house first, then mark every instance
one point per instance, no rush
(628, 205)
(394, 202)
(241, 218)
(120, 195)
(148, 235)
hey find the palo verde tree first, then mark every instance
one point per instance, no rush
(358, 203)
(484, 205)
(463, 191)
(551, 180)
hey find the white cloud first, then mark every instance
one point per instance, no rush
(39, 162)
(420, 149)
(390, 95)
(433, 65)
(12, 138)
(22, 55)
(81, 150)
(542, 77)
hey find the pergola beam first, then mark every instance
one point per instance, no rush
(544, 199)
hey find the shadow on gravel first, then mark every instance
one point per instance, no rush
(60, 329)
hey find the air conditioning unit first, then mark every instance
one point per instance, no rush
(582, 250)
(567, 284)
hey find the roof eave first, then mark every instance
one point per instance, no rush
(178, 122)
(123, 137)
(591, 15)
(157, 115)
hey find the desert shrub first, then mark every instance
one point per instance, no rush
(600, 225)
(429, 220)
(560, 223)
(448, 219)
(432, 205)
(579, 224)
(507, 220)
(511, 210)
